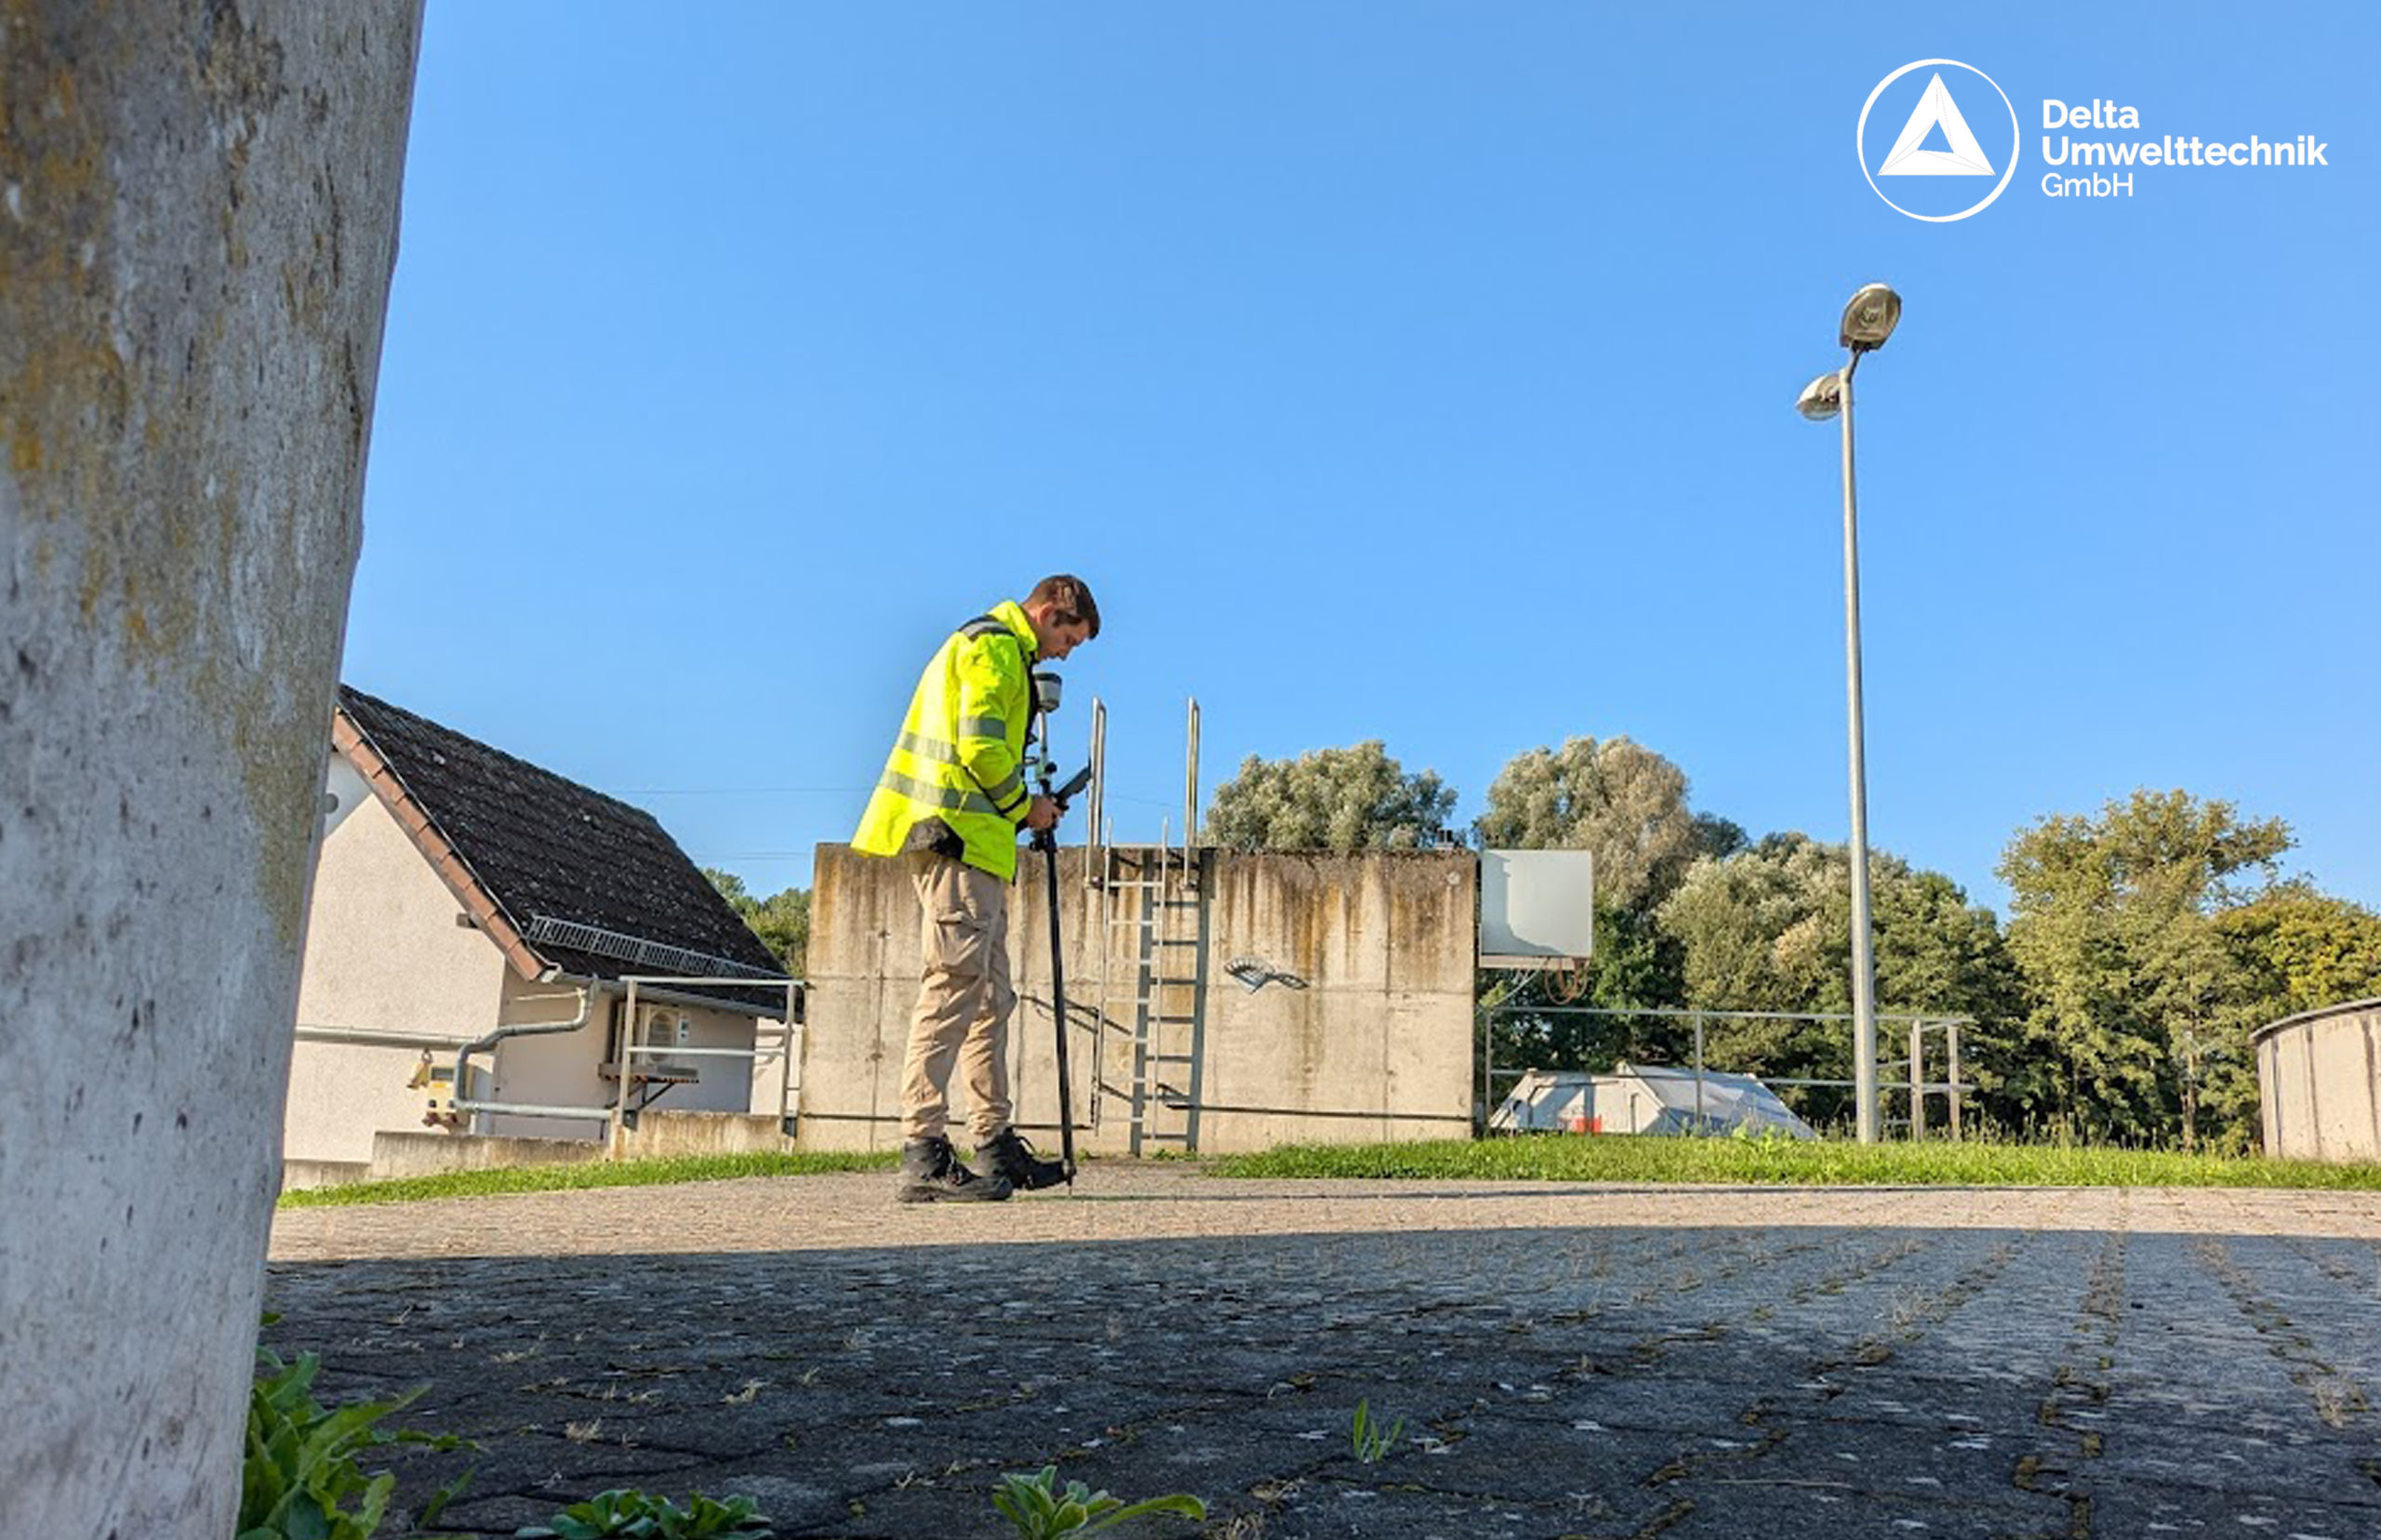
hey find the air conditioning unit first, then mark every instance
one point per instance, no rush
(665, 1027)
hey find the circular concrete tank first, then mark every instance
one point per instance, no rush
(2319, 1082)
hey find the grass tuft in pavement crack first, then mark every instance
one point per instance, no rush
(1373, 1442)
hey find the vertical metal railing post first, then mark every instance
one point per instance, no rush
(1700, 1127)
(625, 1063)
(1095, 871)
(1917, 1080)
(1951, 1052)
(1486, 1103)
(790, 1073)
(1095, 807)
(1190, 784)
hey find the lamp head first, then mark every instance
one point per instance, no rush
(1823, 397)
(1870, 318)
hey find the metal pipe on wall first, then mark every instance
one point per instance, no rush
(531, 1029)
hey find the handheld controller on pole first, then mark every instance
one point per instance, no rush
(1045, 700)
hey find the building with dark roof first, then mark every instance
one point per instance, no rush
(467, 898)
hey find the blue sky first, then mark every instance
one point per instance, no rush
(1418, 372)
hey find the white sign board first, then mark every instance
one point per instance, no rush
(1537, 909)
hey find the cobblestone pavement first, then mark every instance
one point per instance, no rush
(1566, 1361)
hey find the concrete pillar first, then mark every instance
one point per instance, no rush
(198, 213)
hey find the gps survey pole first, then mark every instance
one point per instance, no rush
(1046, 841)
(1045, 700)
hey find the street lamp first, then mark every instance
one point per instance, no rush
(1869, 319)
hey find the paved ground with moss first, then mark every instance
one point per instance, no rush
(1566, 1361)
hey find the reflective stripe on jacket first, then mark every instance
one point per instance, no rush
(961, 755)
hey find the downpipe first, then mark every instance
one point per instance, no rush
(462, 1102)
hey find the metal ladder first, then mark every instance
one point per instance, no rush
(1162, 912)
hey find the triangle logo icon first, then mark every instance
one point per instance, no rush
(1936, 110)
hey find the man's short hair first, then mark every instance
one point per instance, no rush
(1071, 599)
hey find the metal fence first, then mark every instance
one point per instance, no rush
(1916, 1087)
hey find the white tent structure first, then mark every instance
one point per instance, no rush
(1643, 1098)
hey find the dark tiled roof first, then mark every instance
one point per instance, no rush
(543, 845)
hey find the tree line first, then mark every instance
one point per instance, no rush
(2145, 942)
(781, 920)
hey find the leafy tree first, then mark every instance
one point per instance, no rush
(2140, 1000)
(781, 920)
(1338, 800)
(2295, 949)
(1770, 929)
(1636, 966)
(2304, 950)
(1619, 801)
(1718, 837)
(1627, 806)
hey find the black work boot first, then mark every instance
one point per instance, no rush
(932, 1173)
(1005, 1157)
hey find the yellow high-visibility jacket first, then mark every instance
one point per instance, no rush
(961, 755)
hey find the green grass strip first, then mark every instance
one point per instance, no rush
(1780, 1161)
(589, 1174)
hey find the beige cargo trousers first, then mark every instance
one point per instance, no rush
(964, 999)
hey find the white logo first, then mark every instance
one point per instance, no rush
(1908, 158)
(1964, 158)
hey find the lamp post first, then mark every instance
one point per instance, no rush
(1869, 319)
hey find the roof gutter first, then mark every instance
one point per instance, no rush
(651, 995)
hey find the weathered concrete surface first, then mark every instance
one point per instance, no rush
(661, 1134)
(1568, 1361)
(1364, 1032)
(396, 1155)
(657, 1136)
(198, 209)
(2319, 1082)
(300, 1176)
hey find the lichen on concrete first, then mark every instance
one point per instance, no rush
(197, 223)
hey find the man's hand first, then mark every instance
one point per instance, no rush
(1042, 815)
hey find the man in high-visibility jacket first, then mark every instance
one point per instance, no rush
(950, 804)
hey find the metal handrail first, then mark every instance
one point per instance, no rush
(623, 1117)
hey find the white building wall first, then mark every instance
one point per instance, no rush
(565, 1069)
(384, 957)
(553, 1069)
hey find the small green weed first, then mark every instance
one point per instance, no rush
(625, 1511)
(1372, 1442)
(1041, 1511)
(301, 1479)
